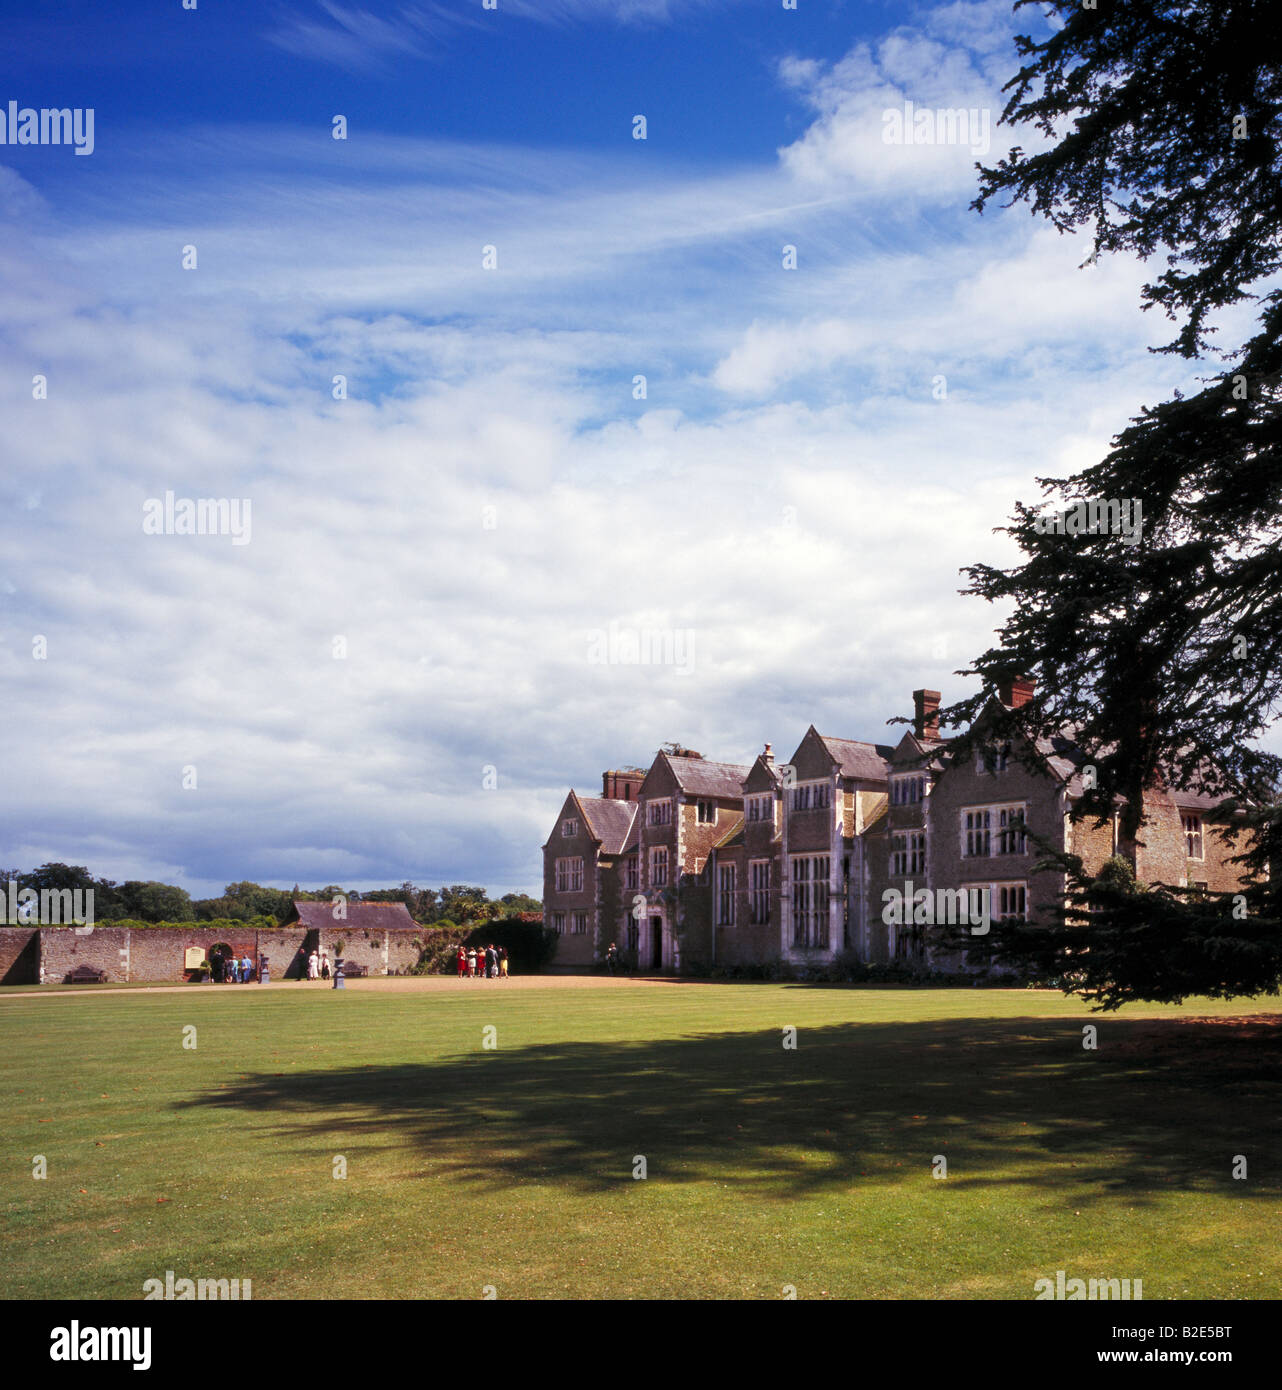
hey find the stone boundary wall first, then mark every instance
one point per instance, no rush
(47, 954)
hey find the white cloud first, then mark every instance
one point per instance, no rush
(882, 122)
(349, 37)
(789, 489)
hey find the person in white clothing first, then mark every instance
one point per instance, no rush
(313, 966)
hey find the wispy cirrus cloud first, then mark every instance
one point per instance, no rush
(361, 41)
(365, 42)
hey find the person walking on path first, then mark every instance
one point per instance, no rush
(491, 962)
(324, 965)
(462, 962)
(471, 962)
(313, 966)
(612, 958)
(502, 962)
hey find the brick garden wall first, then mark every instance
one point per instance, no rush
(62, 949)
(157, 954)
(385, 951)
(19, 955)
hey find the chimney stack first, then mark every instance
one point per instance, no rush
(768, 756)
(926, 714)
(622, 784)
(1016, 691)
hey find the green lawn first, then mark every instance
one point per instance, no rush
(513, 1167)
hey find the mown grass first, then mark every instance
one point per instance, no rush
(513, 1167)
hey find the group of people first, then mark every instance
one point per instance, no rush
(228, 970)
(489, 962)
(318, 966)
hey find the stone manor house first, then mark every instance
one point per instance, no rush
(720, 864)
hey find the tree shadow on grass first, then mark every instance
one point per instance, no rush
(1160, 1106)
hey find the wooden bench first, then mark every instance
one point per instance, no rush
(85, 975)
(352, 970)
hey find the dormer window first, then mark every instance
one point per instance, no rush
(569, 828)
(707, 813)
(659, 812)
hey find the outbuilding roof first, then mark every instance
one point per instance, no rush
(360, 916)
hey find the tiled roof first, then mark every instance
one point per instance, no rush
(609, 820)
(359, 916)
(929, 750)
(733, 836)
(1065, 758)
(705, 778)
(858, 759)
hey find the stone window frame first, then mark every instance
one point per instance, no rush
(815, 793)
(907, 782)
(810, 899)
(908, 852)
(726, 895)
(1191, 825)
(569, 874)
(759, 892)
(1013, 827)
(978, 832)
(1000, 913)
(991, 759)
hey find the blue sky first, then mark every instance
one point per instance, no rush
(795, 489)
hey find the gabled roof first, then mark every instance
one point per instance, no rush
(359, 916)
(919, 754)
(608, 820)
(858, 759)
(705, 778)
(1064, 756)
(760, 771)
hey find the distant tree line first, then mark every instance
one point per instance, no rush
(138, 900)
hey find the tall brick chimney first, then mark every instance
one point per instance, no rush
(622, 784)
(1016, 691)
(769, 755)
(926, 713)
